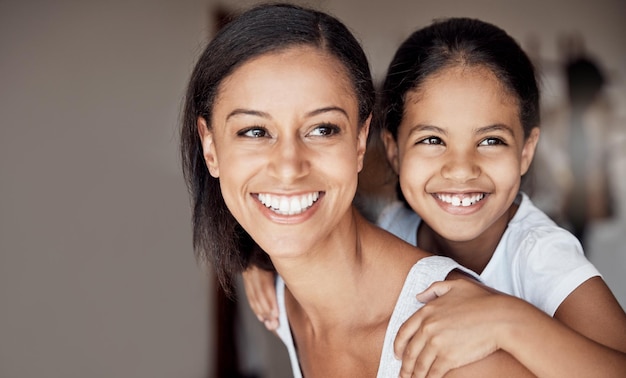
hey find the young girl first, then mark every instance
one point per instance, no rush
(274, 133)
(460, 115)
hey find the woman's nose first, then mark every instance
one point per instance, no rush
(289, 160)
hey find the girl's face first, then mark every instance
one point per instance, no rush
(285, 144)
(461, 152)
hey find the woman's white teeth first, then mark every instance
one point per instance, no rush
(291, 205)
(461, 200)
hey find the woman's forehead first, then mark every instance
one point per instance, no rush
(302, 73)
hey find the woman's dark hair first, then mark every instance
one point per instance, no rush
(217, 236)
(458, 42)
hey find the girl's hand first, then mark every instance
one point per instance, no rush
(261, 292)
(456, 326)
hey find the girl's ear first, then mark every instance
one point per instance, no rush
(208, 147)
(391, 148)
(528, 151)
(362, 142)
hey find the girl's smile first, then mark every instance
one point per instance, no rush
(460, 203)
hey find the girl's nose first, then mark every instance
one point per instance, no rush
(460, 167)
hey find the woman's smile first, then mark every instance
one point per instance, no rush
(288, 205)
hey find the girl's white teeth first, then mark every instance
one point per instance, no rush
(460, 200)
(288, 205)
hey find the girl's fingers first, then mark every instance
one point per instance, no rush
(261, 294)
(415, 360)
(434, 291)
(405, 334)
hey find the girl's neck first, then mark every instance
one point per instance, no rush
(474, 254)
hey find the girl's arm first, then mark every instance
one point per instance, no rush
(261, 292)
(586, 338)
(589, 338)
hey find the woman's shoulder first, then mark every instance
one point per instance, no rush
(439, 268)
(392, 244)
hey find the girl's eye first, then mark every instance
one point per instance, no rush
(325, 130)
(491, 142)
(430, 140)
(253, 132)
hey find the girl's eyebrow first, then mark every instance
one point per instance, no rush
(258, 113)
(495, 127)
(426, 128)
(480, 131)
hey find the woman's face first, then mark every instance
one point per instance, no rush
(285, 144)
(461, 152)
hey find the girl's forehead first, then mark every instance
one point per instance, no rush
(461, 99)
(457, 75)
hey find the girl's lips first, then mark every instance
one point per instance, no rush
(460, 199)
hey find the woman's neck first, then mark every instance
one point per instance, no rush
(324, 279)
(333, 286)
(340, 297)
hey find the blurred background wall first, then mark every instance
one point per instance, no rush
(97, 275)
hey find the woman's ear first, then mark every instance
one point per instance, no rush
(528, 151)
(391, 148)
(362, 142)
(208, 147)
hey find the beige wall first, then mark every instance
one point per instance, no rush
(97, 276)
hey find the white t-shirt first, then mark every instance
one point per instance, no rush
(536, 260)
(421, 276)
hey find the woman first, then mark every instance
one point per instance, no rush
(275, 128)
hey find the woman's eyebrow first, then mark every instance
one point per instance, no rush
(241, 111)
(326, 110)
(258, 113)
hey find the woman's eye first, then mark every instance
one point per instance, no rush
(325, 130)
(491, 142)
(430, 140)
(253, 132)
